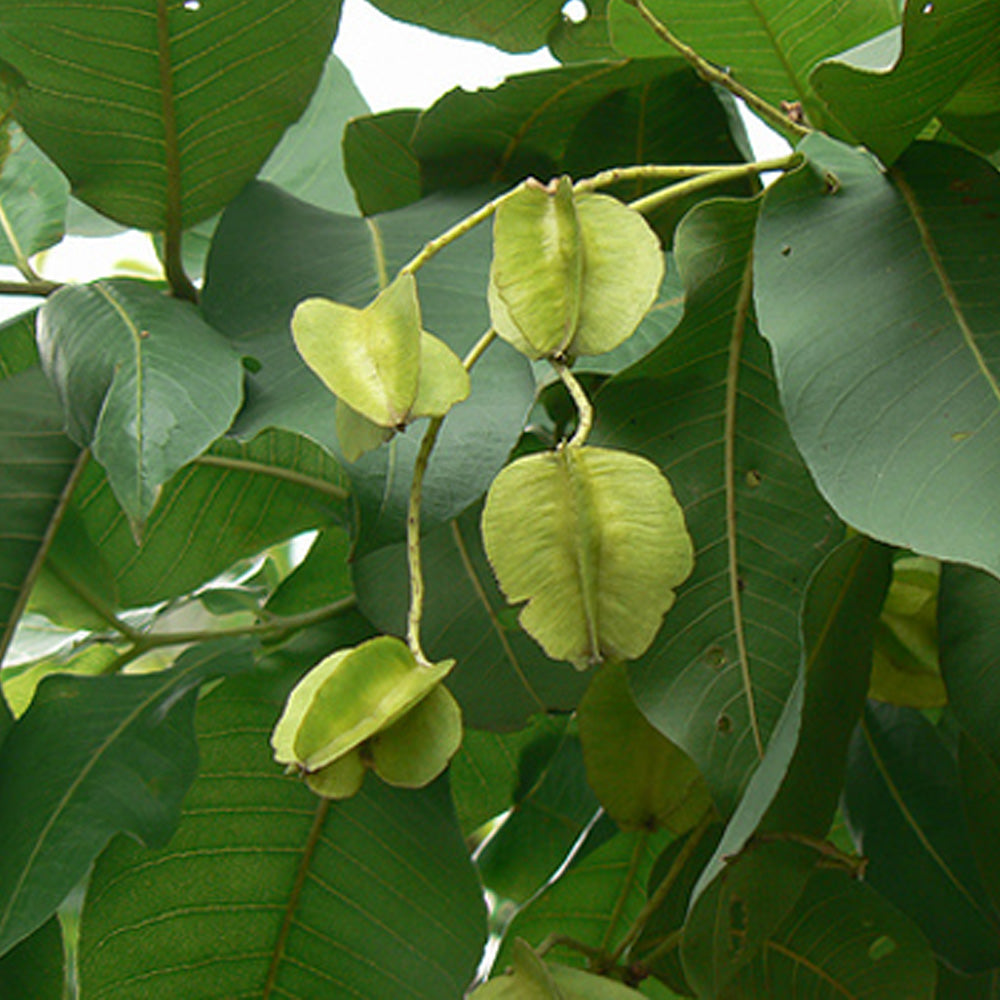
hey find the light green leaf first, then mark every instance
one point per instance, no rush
(160, 112)
(572, 274)
(930, 57)
(771, 46)
(595, 542)
(529, 978)
(879, 294)
(93, 756)
(264, 883)
(33, 200)
(642, 779)
(144, 381)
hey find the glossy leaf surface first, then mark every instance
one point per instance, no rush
(377, 893)
(595, 542)
(894, 392)
(92, 757)
(127, 100)
(120, 355)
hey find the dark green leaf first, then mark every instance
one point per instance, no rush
(93, 756)
(34, 968)
(146, 384)
(511, 25)
(554, 805)
(502, 676)
(322, 577)
(969, 630)
(266, 889)
(703, 406)
(272, 251)
(954, 986)
(37, 462)
(765, 44)
(903, 805)
(485, 771)
(980, 786)
(381, 165)
(159, 112)
(841, 940)
(879, 296)
(33, 198)
(234, 501)
(885, 91)
(594, 902)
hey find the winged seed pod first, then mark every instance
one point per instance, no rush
(384, 369)
(572, 273)
(352, 711)
(595, 542)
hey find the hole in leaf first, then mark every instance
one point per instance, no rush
(714, 657)
(754, 478)
(928, 8)
(724, 724)
(575, 11)
(192, 4)
(251, 364)
(881, 947)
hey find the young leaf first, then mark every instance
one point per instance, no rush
(572, 274)
(595, 542)
(145, 382)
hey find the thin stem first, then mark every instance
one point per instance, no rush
(416, 611)
(670, 942)
(33, 286)
(460, 228)
(94, 602)
(774, 117)
(173, 263)
(719, 175)
(564, 941)
(660, 172)
(662, 890)
(616, 914)
(43, 549)
(584, 408)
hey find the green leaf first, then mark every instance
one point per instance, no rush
(722, 667)
(894, 279)
(484, 773)
(930, 57)
(572, 273)
(594, 902)
(309, 162)
(37, 464)
(979, 775)
(33, 199)
(233, 502)
(265, 888)
(272, 251)
(903, 806)
(18, 351)
(969, 628)
(842, 939)
(34, 968)
(794, 793)
(501, 675)
(763, 43)
(642, 779)
(146, 384)
(595, 542)
(553, 807)
(508, 24)
(160, 112)
(93, 756)
(380, 164)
